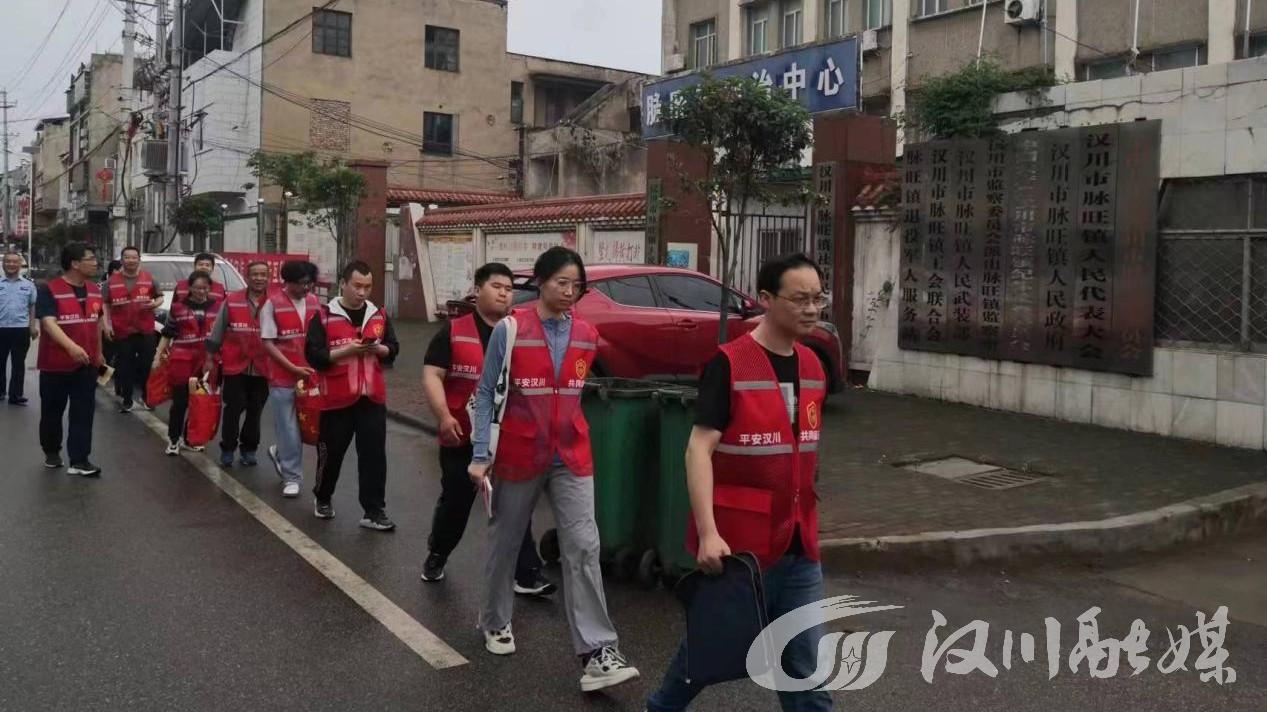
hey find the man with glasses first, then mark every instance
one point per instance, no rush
(70, 309)
(751, 463)
(283, 328)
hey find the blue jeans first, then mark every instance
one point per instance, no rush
(791, 583)
(290, 448)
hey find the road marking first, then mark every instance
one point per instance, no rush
(426, 644)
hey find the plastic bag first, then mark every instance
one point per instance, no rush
(308, 411)
(204, 413)
(157, 388)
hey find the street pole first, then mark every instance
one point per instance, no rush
(8, 215)
(126, 108)
(176, 67)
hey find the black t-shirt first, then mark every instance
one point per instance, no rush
(46, 303)
(713, 406)
(440, 351)
(317, 351)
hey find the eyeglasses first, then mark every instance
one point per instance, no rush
(805, 301)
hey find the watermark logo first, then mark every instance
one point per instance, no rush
(855, 660)
(858, 659)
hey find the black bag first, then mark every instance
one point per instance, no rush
(724, 615)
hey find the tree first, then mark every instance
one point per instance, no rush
(961, 103)
(327, 191)
(746, 131)
(198, 216)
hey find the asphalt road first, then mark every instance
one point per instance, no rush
(152, 589)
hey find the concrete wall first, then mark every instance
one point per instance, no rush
(947, 42)
(1213, 118)
(230, 126)
(877, 243)
(53, 141)
(1257, 17)
(1107, 25)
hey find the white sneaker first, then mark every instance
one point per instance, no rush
(172, 449)
(606, 668)
(191, 448)
(499, 642)
(290, 489)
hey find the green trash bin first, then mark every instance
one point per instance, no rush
(670, 559)
(622, 417)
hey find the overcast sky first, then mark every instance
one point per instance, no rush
(589, 31)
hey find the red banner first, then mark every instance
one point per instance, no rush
(241, 259)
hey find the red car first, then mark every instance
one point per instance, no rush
(661, 323)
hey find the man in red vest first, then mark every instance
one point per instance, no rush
(244, 366)
(751, 463)
(450, 373)
(283, 326)
(70, 308)
(131, 295)
(203, 262)
(349, 340)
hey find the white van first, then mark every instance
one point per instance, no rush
(167, 269)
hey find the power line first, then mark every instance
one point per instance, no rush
(265, 41)
(30, 63)
(85, 35)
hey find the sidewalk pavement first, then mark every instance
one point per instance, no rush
(1101, 491)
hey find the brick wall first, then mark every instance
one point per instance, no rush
(329, 127)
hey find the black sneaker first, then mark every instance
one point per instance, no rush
(539, 586)
(323, 510)
(53, 461)
(19, 401)
(84, 469)
(126, 407)
(433, 568)
(378, 521)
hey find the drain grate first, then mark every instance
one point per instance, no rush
(1000, 479)
(975, 474)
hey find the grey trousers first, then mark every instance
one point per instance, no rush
(572, 499)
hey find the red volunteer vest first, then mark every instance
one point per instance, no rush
(291, 331)
(466, 365)
(345, 382)
(126, 315)
(189, 347)
(182, 291)
(242, 346)
(763, 475)
(543, 415)
(79, 322)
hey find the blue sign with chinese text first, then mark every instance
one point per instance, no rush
(822, 77)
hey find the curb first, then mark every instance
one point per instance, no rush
(412, 421)
(1194, 520)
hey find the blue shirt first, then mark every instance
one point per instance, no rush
(558, 333)
(17, 296)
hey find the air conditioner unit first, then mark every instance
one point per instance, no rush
(154, 157)
(1022, 12)
(674, 62)
(871, 41)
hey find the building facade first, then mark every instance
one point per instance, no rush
(52, 147)
(905, 42)
(93, 103)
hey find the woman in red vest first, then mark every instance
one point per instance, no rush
(283, 328)
(184, 347)
(203, 262)
(750, 468)
(69, 308)
(544, 447)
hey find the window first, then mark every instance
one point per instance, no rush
(437, 133)
(516, 102)
(924, 8)
(1155, 61)
(791, 31)
(629, 291)
(692, 293)
(1211, 254)
(837, 26)
(879, 13)
(1107, 69)
(1257, 45)
(332, 33)
(758, 28)
(703, 44)
(442, 49)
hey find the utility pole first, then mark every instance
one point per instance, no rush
(8, 214)
(126, 107)
(175, 84)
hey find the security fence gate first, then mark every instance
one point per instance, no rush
(767, 235)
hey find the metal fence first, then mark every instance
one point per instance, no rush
(1212, 289)
(766, 235)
